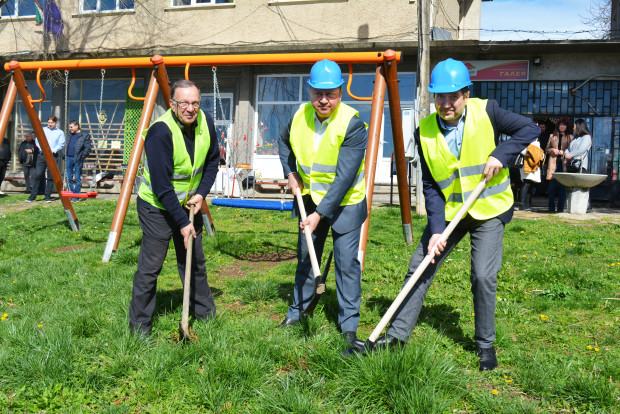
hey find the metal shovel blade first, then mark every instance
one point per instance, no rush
(319, 286)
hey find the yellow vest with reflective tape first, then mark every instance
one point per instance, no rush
(458, 177)
(317, 167)
(185, 176)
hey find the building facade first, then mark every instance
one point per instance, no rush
(253, 102)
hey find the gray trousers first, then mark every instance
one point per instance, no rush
(348, 275)
(486, 261)
(158, 228)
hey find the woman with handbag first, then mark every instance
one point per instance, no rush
(576, 156)
(558, 143)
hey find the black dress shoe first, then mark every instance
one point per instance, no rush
(140, 329)
(386, 341)
(287, 322)
(351, 338)
(488, 359)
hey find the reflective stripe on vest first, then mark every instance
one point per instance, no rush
(185, 176)
(317, 167)
(457, 178)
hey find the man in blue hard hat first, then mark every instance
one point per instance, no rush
(459, 146)
(322, 153)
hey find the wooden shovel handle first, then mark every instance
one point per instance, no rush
(188, 276)
(302, 212)
(422, 267)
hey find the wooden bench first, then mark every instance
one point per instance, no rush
(261, 186)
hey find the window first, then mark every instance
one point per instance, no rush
(94, 6)
(18, 8)
(180, 3)
(223, 122)
(278, 97)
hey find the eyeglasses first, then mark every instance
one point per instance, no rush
(184, 105)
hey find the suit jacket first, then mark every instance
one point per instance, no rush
(342, 219)
(83, 146)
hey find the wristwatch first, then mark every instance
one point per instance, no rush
(320, 215)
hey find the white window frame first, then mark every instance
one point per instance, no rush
(16, 15)
(98, 10)
(193, 3)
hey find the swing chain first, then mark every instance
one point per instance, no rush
(66, 102)
(101, 97)
(216, 96)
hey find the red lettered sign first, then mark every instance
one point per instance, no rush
(498, 70)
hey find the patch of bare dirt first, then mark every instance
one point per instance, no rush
(255, 263)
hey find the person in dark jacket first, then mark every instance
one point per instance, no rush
(322, 155)
(459, 147)
(28, 153)
(5, 158)
(77, 149)
(181, 161)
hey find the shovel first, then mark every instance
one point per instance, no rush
(184, 325)
(319, 286)
(318, 282)
(422, 267)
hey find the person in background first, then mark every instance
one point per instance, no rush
(5, 158)
(533, 157)
(558, 143)
(322, 154)
(181, 159)
(77, 149)
(580, 145)
(56, 140)
(459, 147)
(27, 153)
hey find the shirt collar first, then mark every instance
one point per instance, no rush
(182, 125)
(316, 119)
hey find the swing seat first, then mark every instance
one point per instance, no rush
(256, 204)
(90, 194)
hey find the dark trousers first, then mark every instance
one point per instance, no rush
(486, 261)
(3, 166)
(553, 185)
(348, 274)
(158, 228)
(73, 167)
(39, 175)
(28, 176)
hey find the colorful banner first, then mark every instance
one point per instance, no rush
(498, 70)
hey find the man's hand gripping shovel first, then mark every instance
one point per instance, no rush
(370, 343)
(319, 279)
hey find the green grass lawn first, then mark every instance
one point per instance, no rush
(65, 345)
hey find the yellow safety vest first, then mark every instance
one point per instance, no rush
(457, 178)
(317, 167)
(185, 176)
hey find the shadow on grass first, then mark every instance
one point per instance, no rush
(169, 301)
(445, 320)
(441, 317)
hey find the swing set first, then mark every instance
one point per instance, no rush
(385, 77)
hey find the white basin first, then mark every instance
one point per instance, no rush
(579, 180)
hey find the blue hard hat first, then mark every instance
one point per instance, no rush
(325, 74)
(449, 76)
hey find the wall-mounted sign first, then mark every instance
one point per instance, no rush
(498, 70)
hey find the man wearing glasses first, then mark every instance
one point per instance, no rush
(181, 159)
(322, 154)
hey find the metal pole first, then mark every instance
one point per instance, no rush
(132, 170)
(20, 82)
(424, 45)
(7, 107)
(372, 150)
(399, 146)
(208, 60)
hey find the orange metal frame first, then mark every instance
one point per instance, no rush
(385, 76)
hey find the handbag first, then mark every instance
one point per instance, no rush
(573, 165)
